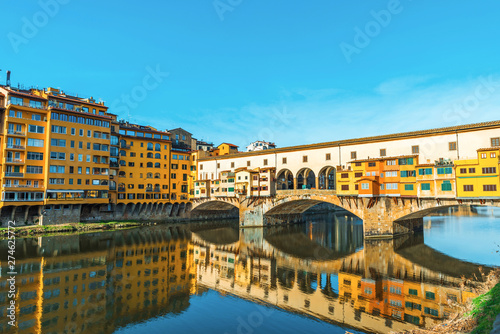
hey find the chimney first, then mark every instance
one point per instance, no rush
(8, 79)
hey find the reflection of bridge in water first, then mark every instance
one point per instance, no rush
(99, 282)
(386, 285)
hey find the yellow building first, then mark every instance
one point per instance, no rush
(436, 180)
(479, 178)
(77, 150)
(180, 175)
(141, 163)
(225, 149)
(24, 149)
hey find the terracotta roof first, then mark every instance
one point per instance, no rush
(232, 145)
(401, 135)
(488, 149)
(27, 94)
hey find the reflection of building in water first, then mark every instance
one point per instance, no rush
(99, 282)
(374, 289)
(101, 285)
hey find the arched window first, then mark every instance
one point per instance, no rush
(157, 175)
(123, 163)
(150, 155)
(164, 176)
(123, 153)
(149, 175)
(121, 174)
(157, 165)
(150, 165)
(150, 146)
(104, 182)
(157, 156)
(123, 143)
(157, 147)
(157, 187)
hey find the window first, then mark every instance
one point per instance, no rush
(483, 155)
(489, 187)
(232, 164)
(58, 142)
(58, 129)
(34, 156)
(372, 164)
(408, 186)
(452, 146)
(265, 162)
(359, 174)
(415, 149)
(353, 155)
(425, 186)
(284, 161)
(365, 186)
(328, 156)
(468, 187)
(248, 163)
(407, 173)
(345, 187)
(493, 155)
(382, 152)
(446, 170)
(57, 169)
(430, 295)
(35, 142)
(446, 186)
(489, 170)
(344, 175)
(463, 170)
(431, 311)
(34, 169)
(36, 129)
(425, 171)
(472, 170)
(390, 162)
(495, 141)
(413, 292)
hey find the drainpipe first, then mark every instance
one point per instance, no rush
(458, 152)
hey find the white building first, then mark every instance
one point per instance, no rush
(260, 145)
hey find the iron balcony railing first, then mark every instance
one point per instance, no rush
(14, 132)
(14, 174)
(14, 161)
(17, 147)
(7, 185)
(29, 105)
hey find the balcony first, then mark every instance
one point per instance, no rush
(114, 165)
(14, 161)
(15, 147)
(16, 133)
(29, 105)
(21, 186)
(13, 174)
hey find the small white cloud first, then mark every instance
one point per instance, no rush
(402, 84)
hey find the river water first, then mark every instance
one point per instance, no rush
(316, 277)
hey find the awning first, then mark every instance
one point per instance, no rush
(63, 191)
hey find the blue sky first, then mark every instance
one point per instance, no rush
(293, 72)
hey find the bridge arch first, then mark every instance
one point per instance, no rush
(297, 206)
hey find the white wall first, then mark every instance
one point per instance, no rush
(430, 148)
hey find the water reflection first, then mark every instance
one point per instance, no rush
(97, 283)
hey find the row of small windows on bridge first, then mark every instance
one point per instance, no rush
(452, 146)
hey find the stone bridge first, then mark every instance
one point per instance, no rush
(382, 216)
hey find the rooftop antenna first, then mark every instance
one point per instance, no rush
(8, 79)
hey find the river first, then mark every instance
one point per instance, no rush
(317, 277)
